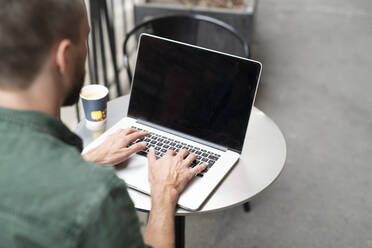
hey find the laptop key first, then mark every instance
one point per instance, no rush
(210, 163)
(205, 155)
(212, 157)
(193, 164)
(143, 153)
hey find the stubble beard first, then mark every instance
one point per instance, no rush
(78, 82)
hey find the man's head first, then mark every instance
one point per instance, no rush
(37, 34)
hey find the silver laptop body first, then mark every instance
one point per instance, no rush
(195, 98)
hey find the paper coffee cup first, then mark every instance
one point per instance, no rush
(94, 98)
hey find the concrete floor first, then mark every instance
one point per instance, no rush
(316, 85)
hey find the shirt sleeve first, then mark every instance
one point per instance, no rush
(112, 220)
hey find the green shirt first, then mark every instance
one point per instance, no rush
(51, 197)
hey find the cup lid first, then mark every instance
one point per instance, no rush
(96, 91)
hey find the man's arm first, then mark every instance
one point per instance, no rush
(168, 177)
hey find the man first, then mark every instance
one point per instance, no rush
(50, 195)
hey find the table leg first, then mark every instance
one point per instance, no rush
(180, 231)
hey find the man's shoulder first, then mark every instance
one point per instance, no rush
(44, 156)
(44, 161)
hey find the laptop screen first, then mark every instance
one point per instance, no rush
(195, 91)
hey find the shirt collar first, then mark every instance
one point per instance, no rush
(42, 123)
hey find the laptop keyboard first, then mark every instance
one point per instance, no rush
(162, 144)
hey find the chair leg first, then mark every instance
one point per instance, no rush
(90, 65)
(247, 207)
(102, 50)
(77, 112)
(112, 43)
(93, 19)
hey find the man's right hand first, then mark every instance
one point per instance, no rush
(168, 177)
(170, 174)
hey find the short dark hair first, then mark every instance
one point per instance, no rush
(28, 30)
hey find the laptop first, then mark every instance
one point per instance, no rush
(193, 98)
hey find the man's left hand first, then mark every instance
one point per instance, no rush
(114, 149)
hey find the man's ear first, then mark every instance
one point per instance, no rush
(62, 53)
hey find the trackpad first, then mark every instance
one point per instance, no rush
(134, 171)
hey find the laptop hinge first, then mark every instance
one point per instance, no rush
(185, 136)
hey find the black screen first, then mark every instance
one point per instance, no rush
(199, 92)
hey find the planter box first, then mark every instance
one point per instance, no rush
(241, 20)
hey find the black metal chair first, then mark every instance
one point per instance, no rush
(182, 28)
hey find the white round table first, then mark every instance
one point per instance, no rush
(261, 162)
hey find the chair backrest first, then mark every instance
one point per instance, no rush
(182, 28)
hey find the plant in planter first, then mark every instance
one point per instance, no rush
(235, 4)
